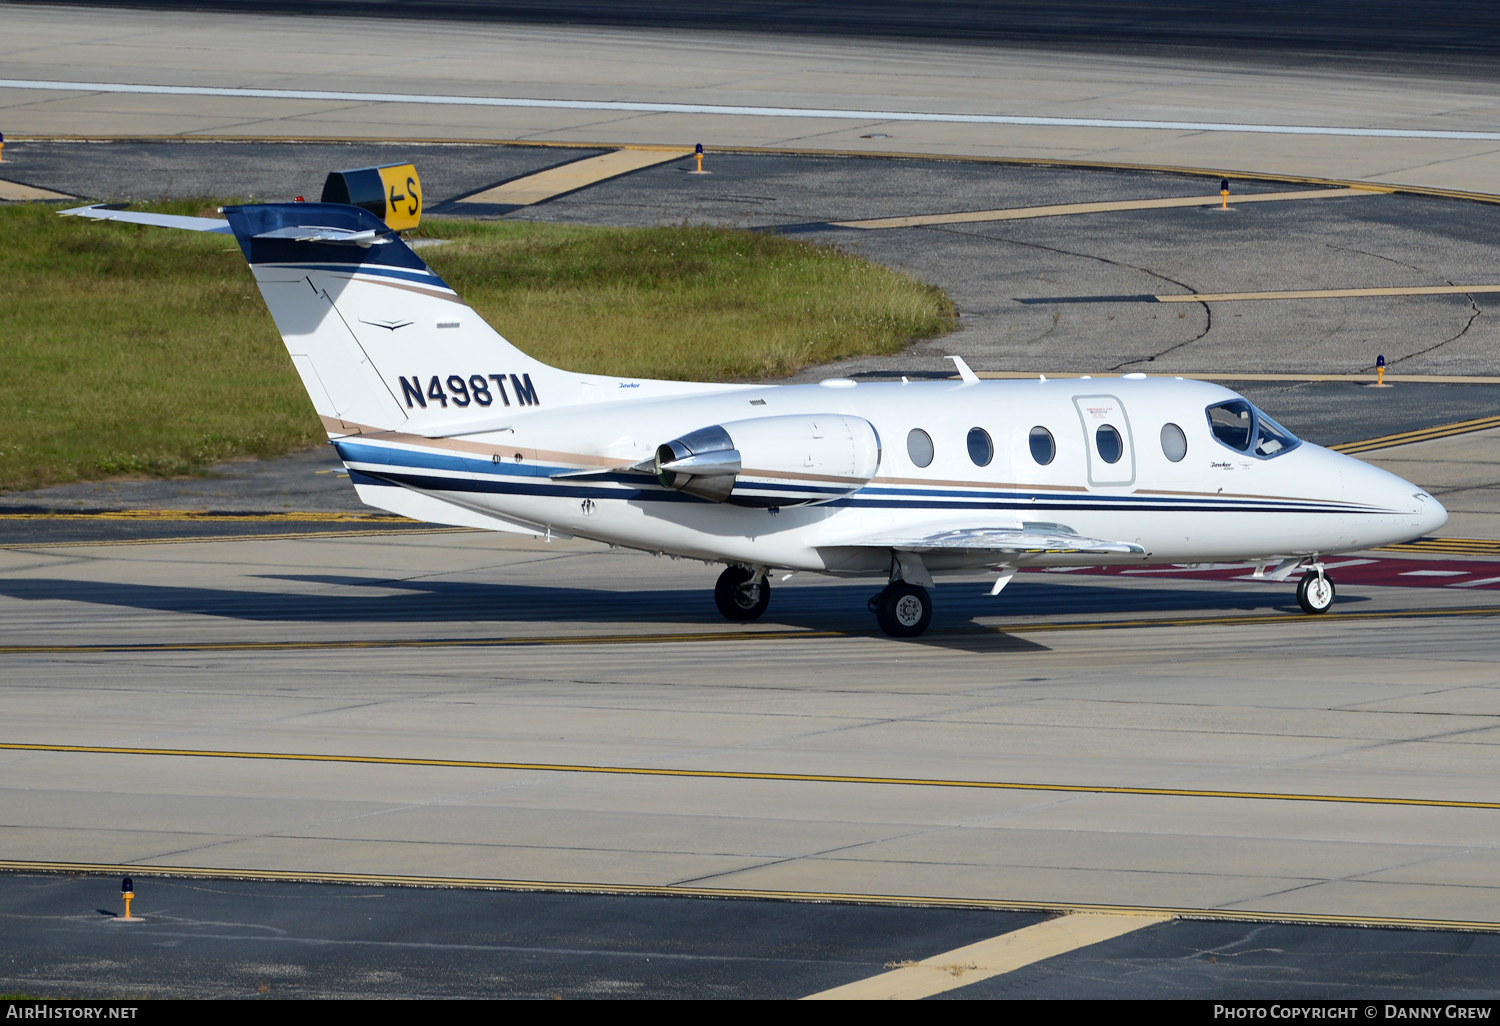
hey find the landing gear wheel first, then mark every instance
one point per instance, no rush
(903, 610)
(739, 596)
(1315, 593)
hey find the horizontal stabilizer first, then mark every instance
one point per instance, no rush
(409, 502)
(192, 224)
(368, 237)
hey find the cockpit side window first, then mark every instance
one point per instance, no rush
(1245, 429)
(1232, 423)
(1271, 439)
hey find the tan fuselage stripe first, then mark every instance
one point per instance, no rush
(589, 461)
(816, 778)
(994, 957)
(1106, 206)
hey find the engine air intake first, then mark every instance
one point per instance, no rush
(796, 460)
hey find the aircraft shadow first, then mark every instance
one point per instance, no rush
(840, 607)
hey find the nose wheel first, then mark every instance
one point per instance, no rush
(742, 594)
(902, 610)
(1315, 593)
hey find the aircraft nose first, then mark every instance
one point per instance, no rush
(1432, 515)
(1416, 512)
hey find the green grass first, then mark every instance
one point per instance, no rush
(691, 303)
(145, 351)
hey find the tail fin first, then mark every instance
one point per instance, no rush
(381, 342)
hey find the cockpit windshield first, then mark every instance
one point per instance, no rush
(1245, 429)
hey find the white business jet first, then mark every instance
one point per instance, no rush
(440, 419)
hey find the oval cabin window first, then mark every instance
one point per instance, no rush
(1173, 442)
(1111, 445)
(1043, 448)
(919, 447)
(981, 449)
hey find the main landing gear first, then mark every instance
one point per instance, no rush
(1315, 591)
(742, 594)
(903, 610)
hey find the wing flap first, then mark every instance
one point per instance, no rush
(1028, 539)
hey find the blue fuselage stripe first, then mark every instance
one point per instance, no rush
(375, 270)
(509, 479)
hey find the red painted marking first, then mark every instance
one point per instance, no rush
(1469, 575)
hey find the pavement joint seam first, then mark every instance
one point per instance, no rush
(136, 869)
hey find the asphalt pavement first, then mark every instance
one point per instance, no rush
(1058, 293)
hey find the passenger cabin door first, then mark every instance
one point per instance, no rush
(1107, 440)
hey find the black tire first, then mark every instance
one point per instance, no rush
(738, 597)
(903, 610)
(1315, 594)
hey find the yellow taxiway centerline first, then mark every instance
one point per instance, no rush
(570, 177)
(1101, 207)
(994, 957)
(1212, 173)
(814, 778)
(205, 517)
(1398, 290)
(1281, 620)
(195, 539)
(1461, 427)
(138, 869)
(1447, 546)
(1440, 379)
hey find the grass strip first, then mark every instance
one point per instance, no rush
(143, 351)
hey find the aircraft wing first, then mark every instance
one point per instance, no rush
(192, 224)
(1028, 539)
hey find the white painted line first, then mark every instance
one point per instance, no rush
(760, 112)
(1006, 953)
(1433, 573)
(1475, 584)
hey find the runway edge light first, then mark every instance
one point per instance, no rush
(127, 891)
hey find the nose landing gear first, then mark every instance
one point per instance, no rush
(1315, 591)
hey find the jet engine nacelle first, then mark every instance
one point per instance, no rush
(773, 461)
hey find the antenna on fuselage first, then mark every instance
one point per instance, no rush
(965, 375)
